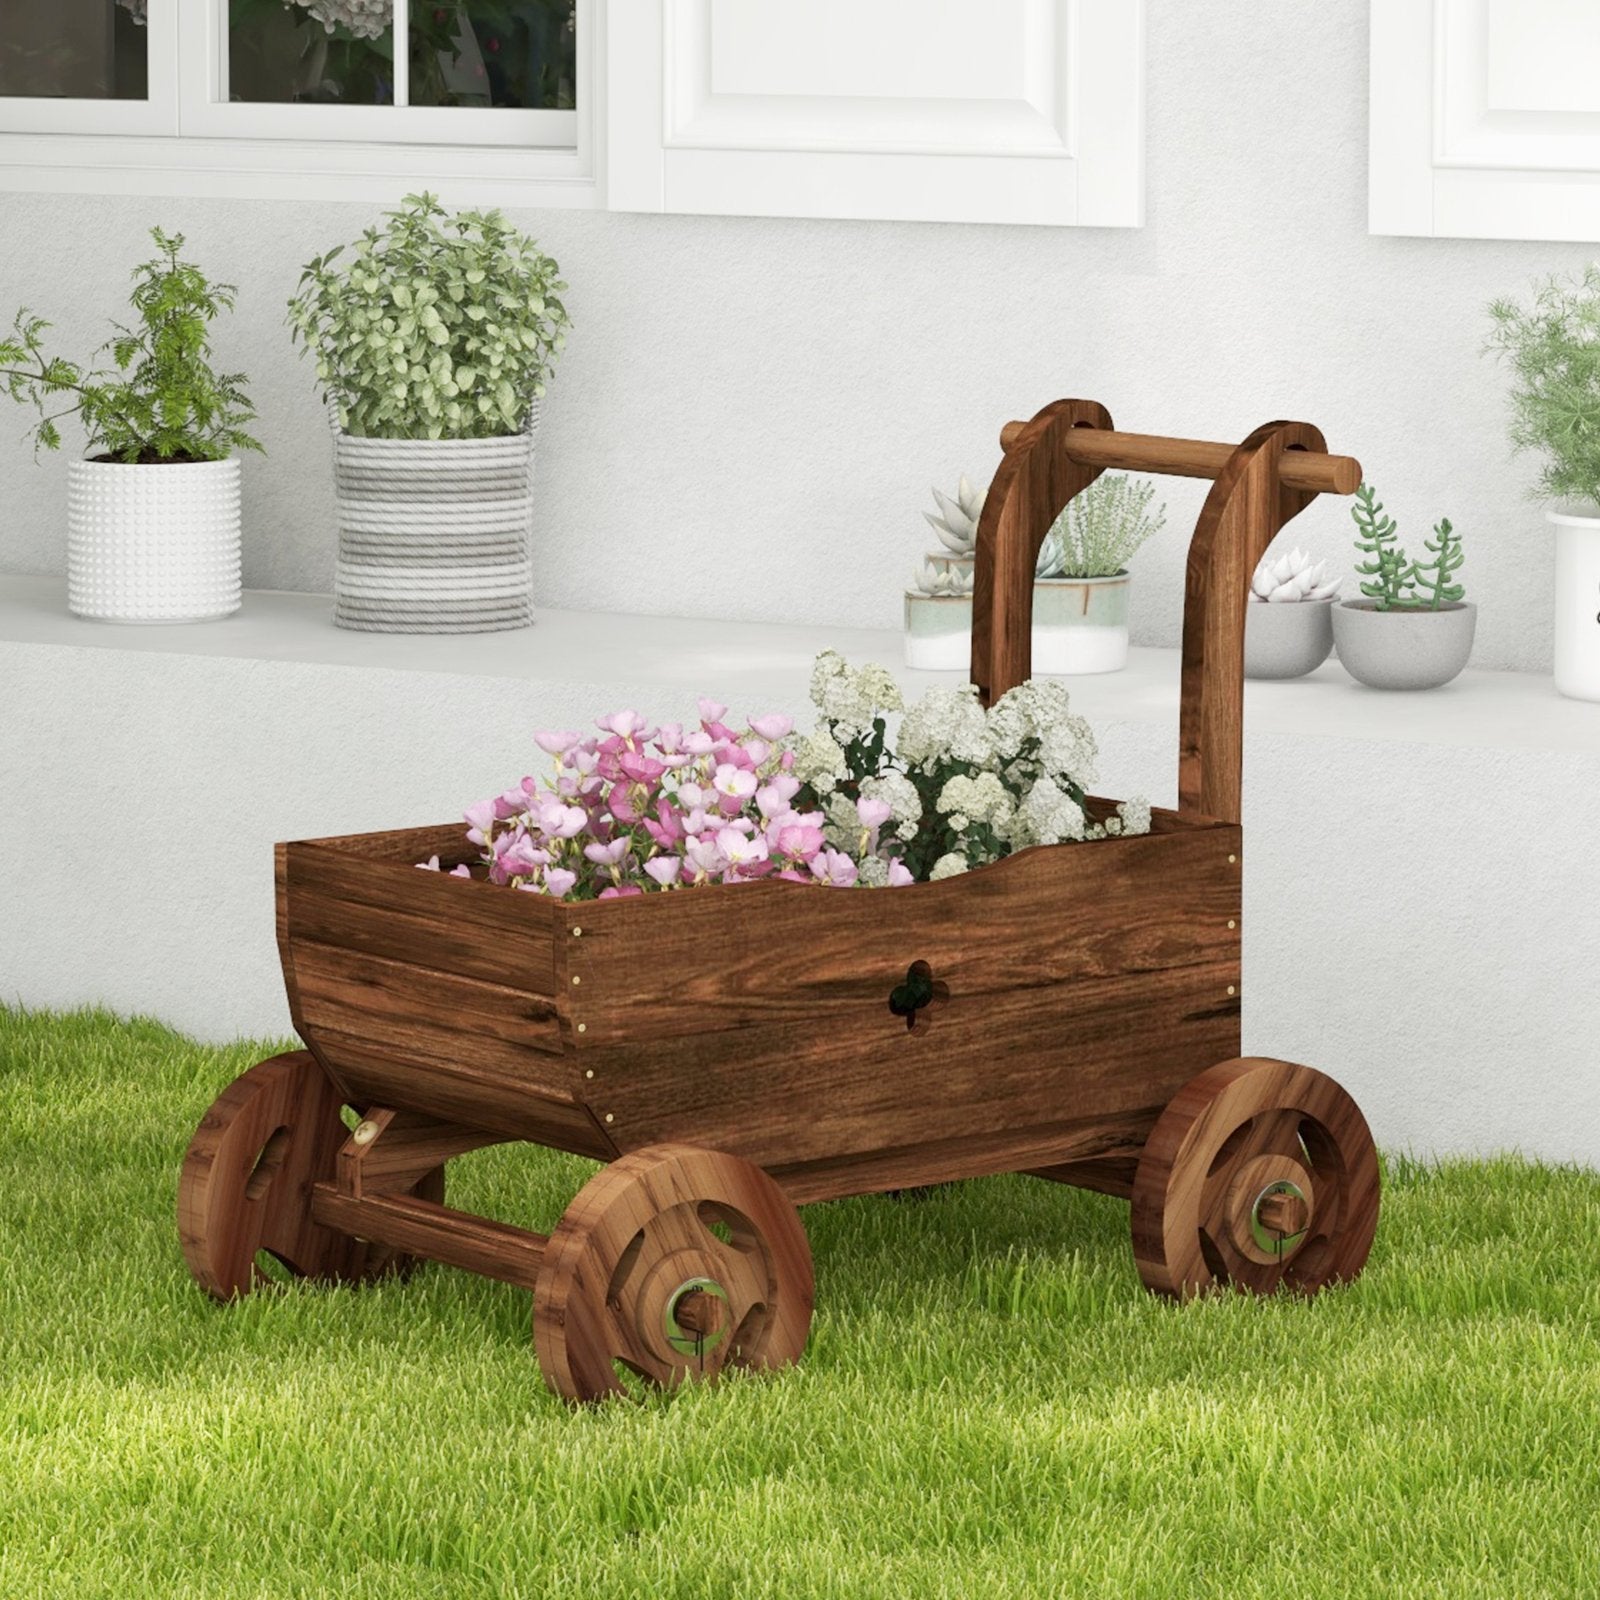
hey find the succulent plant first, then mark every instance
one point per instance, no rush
(942, 581)
(1293, 577)
(957, 522)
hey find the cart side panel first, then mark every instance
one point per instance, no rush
(419, 990)
(1085, 984)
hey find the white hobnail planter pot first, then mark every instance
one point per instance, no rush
(1080, 625)
(1577, 630)
(434, 534)
(155, 543)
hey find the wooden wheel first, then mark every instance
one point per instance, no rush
(676, 1262)
(1258, 1174)
(246, 1182)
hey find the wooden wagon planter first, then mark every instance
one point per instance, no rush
(732, 1053)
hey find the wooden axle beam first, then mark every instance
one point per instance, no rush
(420, 1228)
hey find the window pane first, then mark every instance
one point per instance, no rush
(322, 52)
(519, 54)
(73, 49)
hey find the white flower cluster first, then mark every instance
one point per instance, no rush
(852, 697)
(366, 19)
(946, 724)
(899, 793)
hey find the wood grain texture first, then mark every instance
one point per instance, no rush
(421, 1228)
(389, 1151)
(1241, 1127)
(1085, 981)
(1194, 458)
(644, 1235)
(245, 1185)
(1037, 476)
(1247, 507)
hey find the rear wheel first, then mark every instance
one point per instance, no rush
(245, 1188)
(1260, 1174)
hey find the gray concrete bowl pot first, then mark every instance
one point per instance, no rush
(1287, 639)
(1403, 649)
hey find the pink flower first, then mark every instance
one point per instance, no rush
(463, 871)
(704, 856)
(834, 868)
(512, 803)
(668, 831)
(771, 801)
(772, 728)
(619, 891)
(740, 848)
(733, 784)
(607, 855)
(712, 710)
(873, 813)
(519, 858)
(559, 881)
(480, 819)
(562, 822)
(430, 865)
(558, 742)
(799, 841)
(626, 725)
(899, 874)
(664, 869)
(699, 744)
(755, 750)
(641, 768)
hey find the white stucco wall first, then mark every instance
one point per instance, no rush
(750, 412)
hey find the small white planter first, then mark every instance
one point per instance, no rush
(1577, 630)
(938, 632)
(1403, 649)
(153, 543)
(1080, 625)
(434, 534)
(1287, 639)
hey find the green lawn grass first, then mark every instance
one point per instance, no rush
(990, 1406)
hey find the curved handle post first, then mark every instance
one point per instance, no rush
(1037, 476)
(1248, 506)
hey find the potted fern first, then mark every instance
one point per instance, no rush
(1553, 349)
(1080, 598)
(433, 342)
(1413, 629)
(153, 509)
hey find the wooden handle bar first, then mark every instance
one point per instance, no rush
(1195, 458)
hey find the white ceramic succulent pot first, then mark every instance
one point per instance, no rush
(1080, 625)
(938, 632)
(1287, 639)
(1403, 649)
(157, 543)
(435, 535)
(1577, 630)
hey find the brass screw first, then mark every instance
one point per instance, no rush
(365, 1132)
(576, 979)
(1231, 989)
(1232, 860)
(589, 1072)
(583, 1027)
(609, 1117)
(577, 933)
(1232, 923)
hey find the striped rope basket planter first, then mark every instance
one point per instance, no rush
(434, 534)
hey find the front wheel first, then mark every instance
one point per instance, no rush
(1259, 1174)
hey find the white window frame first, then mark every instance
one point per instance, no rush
(186, 140)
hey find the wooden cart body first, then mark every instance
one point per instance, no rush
(1085, 985)
(733, 1051)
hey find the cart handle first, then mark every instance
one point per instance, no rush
(1260, 485)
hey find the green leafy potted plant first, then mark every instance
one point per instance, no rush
(1080, 598)
(433, 343)
(1414, 628)
(1288, 626)
(1553, 349)
(153, 510)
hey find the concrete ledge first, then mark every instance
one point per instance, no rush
(1422, 895)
